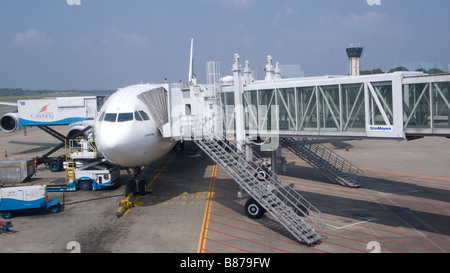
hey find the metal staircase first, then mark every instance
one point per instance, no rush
(328, 162)
(293, 212)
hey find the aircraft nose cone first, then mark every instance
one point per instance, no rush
(106, 143)
(112, 145)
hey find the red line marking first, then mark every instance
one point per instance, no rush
(209, 239)
(429, 232)
(264, 235)
(243, 239)
(395, 241)
(410, 202)
(406, 235)
(343, 237)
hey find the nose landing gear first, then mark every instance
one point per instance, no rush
(136, 183)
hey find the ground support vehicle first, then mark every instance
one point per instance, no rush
(85, 170)
(5, 225)
(14, 199)
(97, 175)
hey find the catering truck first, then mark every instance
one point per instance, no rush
(48, 112)
(30, 198)
(51, 111)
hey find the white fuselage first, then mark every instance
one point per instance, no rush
(125, 132)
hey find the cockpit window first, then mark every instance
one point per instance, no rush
(101, 116)
(125, 117)
(110, 117)
(144, 115)
(137, 116)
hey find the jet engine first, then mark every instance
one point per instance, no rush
(76, 130)
(9, 122)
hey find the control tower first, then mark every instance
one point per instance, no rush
(354, 55)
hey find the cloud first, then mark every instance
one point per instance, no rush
(372, 23)
(111, 39)
(284, 14)
(32, 37)
(130, 39)
(382, 35)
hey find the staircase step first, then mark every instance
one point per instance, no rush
(267, 193)
(318, 156)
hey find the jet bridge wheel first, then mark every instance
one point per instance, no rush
(261, 175)
(253, 209)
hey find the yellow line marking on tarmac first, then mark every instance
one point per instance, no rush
(204, 230)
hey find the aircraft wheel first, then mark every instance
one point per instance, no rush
(130, 187)
(253, 209)
(142, 187)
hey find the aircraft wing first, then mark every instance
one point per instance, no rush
(8, 103)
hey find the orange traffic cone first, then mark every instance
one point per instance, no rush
(346, 148)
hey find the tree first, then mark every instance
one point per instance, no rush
(399, 68)
(423, 70)
(8, 92)
(373, 71)
(435, 71)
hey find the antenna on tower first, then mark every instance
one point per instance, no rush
(191, 61)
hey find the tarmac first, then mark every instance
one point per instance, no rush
(191, 206)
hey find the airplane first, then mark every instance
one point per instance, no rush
(126, 133)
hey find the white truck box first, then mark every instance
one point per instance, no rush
(58, 111)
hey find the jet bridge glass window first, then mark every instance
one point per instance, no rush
(110, 117)
(125, 117)
(441, 106)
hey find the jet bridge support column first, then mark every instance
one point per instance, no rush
(239, 106)
(275, 155)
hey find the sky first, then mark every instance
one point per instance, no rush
(109, 44)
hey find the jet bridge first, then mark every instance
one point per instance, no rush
(400, 105)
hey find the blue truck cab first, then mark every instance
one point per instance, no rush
(13, 199)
